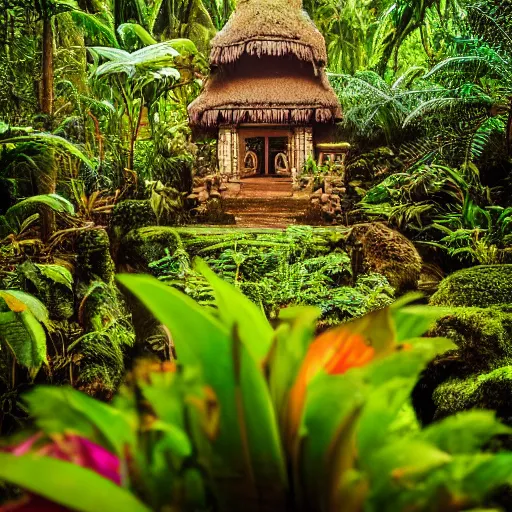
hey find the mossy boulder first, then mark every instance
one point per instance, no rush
(142, 246)
(131, 214)
(480, 286)
(382, 250)
(454, 381)
(491, 390)
(101, 352)
(93, 256)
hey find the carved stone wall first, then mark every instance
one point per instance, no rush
(301, 146)
(227, 152)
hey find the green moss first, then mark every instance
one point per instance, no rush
(483, 335)
(108, 334)
(480, 286)
(142, 246)
(491, 390)
(131, 214)
(93, 256)
(464, 378)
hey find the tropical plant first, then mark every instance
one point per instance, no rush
(139, 79)
(22, 335)
(262, 418)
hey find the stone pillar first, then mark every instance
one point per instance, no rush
(227, 152)
(301, 146)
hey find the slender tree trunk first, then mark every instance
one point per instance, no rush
(47, 181)
(47, 63)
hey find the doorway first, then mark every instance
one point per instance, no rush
(268, 146)
(254, 160)
(278, 155)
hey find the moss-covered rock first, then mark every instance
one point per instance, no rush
(455, 381)
(480, 286)
(93, 256)
(131, 214)
(142, 246)
(377, 248)
(490, 390)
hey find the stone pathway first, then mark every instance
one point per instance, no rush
(266, 202)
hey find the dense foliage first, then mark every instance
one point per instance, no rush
(245, 395)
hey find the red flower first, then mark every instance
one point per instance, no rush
(335, 352)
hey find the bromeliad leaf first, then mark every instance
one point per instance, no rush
(66, 484)
(252, 326)
(204, 343)
(466, 432)
(63, 409)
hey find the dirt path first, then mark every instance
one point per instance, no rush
(266, 203)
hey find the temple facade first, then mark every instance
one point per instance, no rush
(267, 97)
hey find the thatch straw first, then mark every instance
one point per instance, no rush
(269, 27)
(265, 99)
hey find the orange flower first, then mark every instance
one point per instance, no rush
(334, 351)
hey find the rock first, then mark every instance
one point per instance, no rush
(142, 246)
(197, 190)
(325, 198)
(386, 252)
(130, 214)
(193, 197)
(315, 200)
(203, 196)
(319, 192)
(93, 260)
(478, 373)
(215, 195)
(480, 286)
(222, 187)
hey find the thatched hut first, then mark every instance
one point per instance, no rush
(268, 93)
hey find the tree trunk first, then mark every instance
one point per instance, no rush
(47, 64)
(47, 181)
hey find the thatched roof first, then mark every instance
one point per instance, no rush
(285, 99)
(269, 27)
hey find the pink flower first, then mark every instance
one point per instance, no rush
(69, 447)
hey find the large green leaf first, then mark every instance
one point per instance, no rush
(16, 214)
(34, 305)
(25, 338)
(247, 446)
(292, 339)
(67, 484)
(330, 400)
(110, 53)
(54, 141)
(414, 321)
(252, 326)
(126, 29)
(381, 409)
(57, 273)
(63, 409)
(465, 432)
